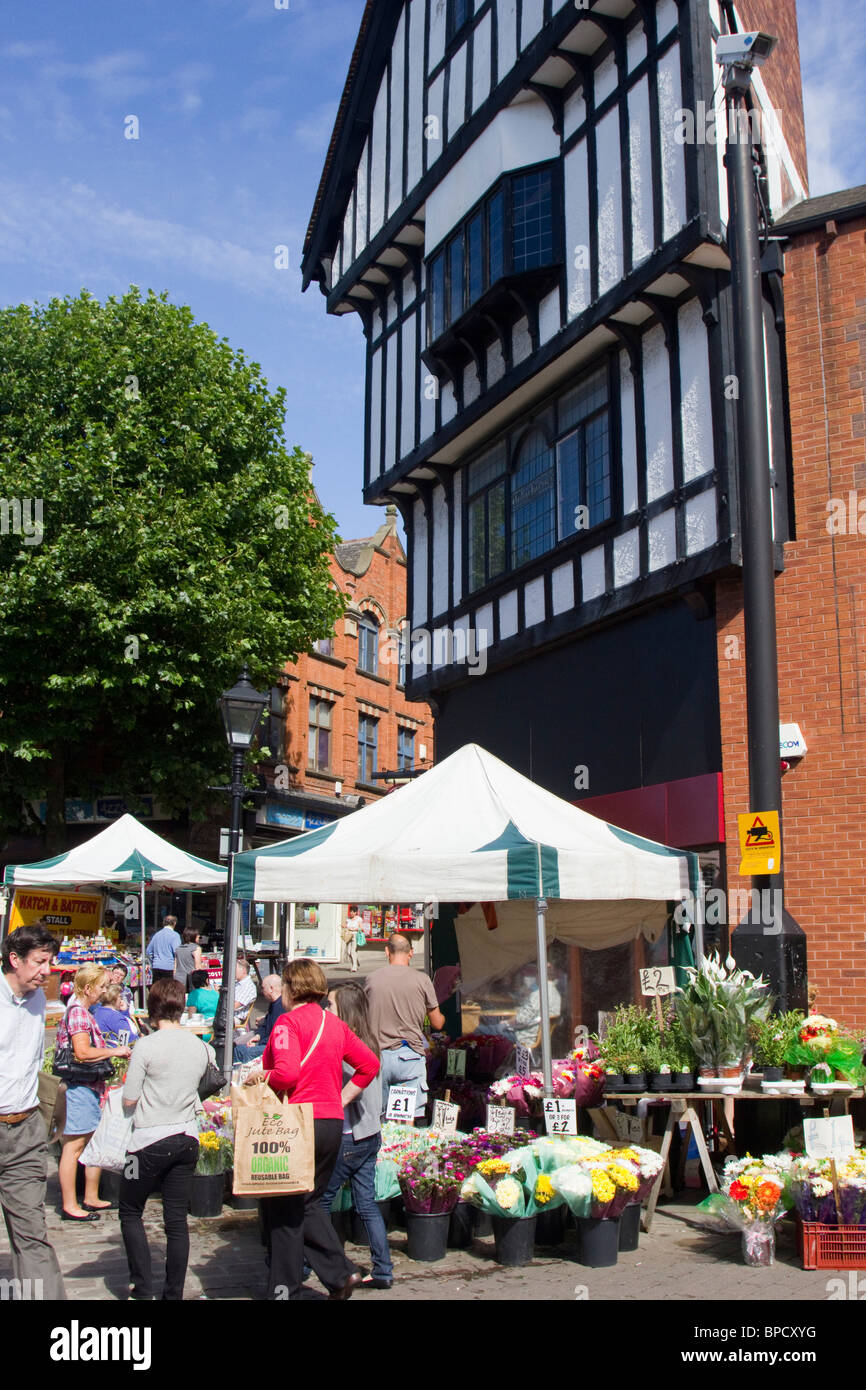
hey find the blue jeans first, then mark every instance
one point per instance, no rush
(357, 1165)
(401, 1066)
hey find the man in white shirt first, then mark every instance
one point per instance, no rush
(26, 956)
(245, 991)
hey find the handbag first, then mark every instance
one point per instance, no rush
(67, 1066)
(212, 1080)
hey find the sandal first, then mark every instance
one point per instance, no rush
(70, 1216)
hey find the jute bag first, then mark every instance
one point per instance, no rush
(274, 1143)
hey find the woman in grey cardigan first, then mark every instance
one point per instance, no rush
(362, 1139)
(161, 1090)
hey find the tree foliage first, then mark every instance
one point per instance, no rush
(179, 539)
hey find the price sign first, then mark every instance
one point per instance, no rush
(456, 1062)
(401, 1103)
(560, 1116)
(658, 981)
(445, 1116)
(500, 1119)
(832, 1138)
(522, 1060)
(123, 1038)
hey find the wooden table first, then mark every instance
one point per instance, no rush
(682, 1108)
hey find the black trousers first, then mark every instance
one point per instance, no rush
(174, 1160)
(163, 974)
(298, 1228)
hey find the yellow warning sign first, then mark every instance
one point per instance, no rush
(760, 843)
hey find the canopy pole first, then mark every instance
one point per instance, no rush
(543, 999)
(143, 944)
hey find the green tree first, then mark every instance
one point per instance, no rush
(155, 534)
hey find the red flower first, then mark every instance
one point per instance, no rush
(738, 1192)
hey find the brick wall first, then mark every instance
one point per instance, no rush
(821, 620)
(781, 73)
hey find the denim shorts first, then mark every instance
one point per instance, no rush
(82, 1110)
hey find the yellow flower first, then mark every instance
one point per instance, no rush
(209, 1140)
(622, 1177)
(543, 1189)
(493, 1166)
(603, 1189)
(507, 1193)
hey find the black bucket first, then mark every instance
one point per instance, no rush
(515, 1238)
(206, 1194)
(482, 1223)
(460, 1227)
(244, 1203)
(599, 1241)
(428, 1236)
(550, 1226)
(629, 1227)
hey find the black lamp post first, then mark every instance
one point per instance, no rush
(241, 708)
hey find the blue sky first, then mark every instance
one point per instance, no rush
(235, 101)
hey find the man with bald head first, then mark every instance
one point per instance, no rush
(399, 999)
(272, 989)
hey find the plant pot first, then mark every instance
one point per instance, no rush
(731, 1070)
(460, 1227)
(398, 1212)
(206, 1194)
(244, 1203)
(482, 1222)
(428, 1236)
(599, 1241)
(550, 1226)
(613, 1081)
(634, 1081)
(660, 1081)
(682, 1080)
(629, 1227)
(514, 1238)
(773, 1073)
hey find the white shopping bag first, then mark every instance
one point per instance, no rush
(108, 1143)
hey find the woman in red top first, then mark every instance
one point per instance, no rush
(304, 1062)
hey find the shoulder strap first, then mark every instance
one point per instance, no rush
(315, 1042)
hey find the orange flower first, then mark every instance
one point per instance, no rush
(768, 1194)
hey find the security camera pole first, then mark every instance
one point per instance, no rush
(759, 943)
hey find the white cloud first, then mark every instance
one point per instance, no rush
(833, 55)
(314, 131)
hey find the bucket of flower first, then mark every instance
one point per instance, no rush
(833, 1057)
(398, 1142)
(511, 1189)
(717, 1009)
(831, 1235)
(754, 1196)
(465, 1152)
(597, 1189)
(208, 1185)
(525, 1093)
(430, 1182)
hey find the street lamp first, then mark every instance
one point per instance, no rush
(241, 708)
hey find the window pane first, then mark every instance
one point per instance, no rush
(311, 748)
(568, 452)
(368, 644)
(455, 270)
(489, 466)
(324, 749)
(496, 525)
(475, 246)
(586, 398)
(437, 296)
(532, 501)
(532, 227)
(477, 547)
(598, 469)
(495, 236)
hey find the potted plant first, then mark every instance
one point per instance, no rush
(771, 1039)
(657, 1065)
(430, 1182)
(678, 1054)
(716, 1009)
(214, 1160)
(622, 1047)
(821, 1043)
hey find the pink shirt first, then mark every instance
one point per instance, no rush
(320, 1080)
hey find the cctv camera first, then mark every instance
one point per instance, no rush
(744, 50)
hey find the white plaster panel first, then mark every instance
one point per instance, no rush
(562, 589)
(521, 343)
(440, 551)
(662, 540)
(434, 133)
(628, 428)
(640, 167)
(428, 386)
(701, 524)
(533, 601)
(409, 290)
(348, 227)
(415, 114)
(391, 355)
(397, 115)
(449, 406)
(673, 155)
(716, 15)
(635, 47)
(666, 17)
(592, 573)
(457, 92)
(626, 559)
(338, 261)
(517, 136)
(376, 328)
(506, 26)
(408, 386)
(577, 236)
(533, 18)
(438, 19)
(419, 566)
(548, 316)
(457, 557)
(657, 413)
(361, 202)
(484, 627)
(609, 202)
(495, 364)
(508, 615)
(376, 413)
(695, 412)
(377, 178)
(604, 79)
(471, 384)
(390, 309)
(481, 62)
(574, 113)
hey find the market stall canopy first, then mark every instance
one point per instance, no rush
(125, 852)
(474, 830)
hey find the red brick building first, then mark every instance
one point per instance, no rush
(342, 718)
(820, 603)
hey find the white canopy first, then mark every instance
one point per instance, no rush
(125, 852)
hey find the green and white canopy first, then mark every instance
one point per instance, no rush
(472, 830)
(125, 852)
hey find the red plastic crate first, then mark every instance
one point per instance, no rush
(832, 1247)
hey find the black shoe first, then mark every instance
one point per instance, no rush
(69, 1216)
(111, 1206)
(371, 1282)
(348, 1288)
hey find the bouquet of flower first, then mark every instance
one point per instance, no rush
(752, 1200)
(811, 1189)
(580, 1077)
(430, 1182)
(525, 1093)
(819, 1043)
(215, 1153)
(511, 1185)
(645, 1163)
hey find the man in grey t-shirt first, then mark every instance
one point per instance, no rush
(399, 999)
